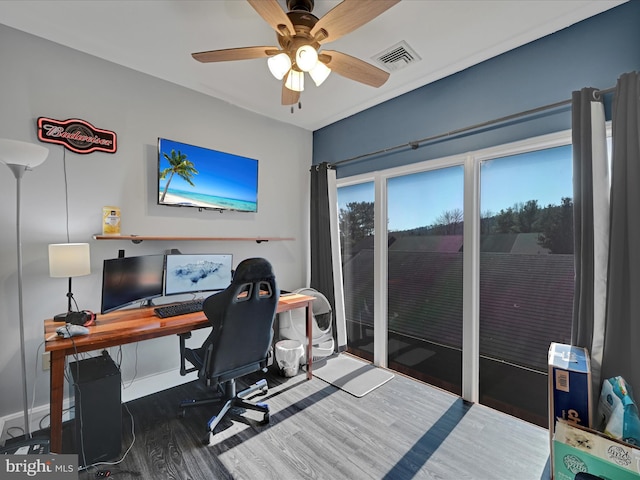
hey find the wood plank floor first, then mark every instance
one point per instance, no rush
(402, 430)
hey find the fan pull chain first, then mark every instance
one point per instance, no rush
(299, 106)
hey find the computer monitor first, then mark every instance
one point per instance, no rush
(194, 273)
(131, 279)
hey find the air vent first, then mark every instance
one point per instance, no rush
(399, 56)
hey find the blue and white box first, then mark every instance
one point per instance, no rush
(569, 384)
(569, 387)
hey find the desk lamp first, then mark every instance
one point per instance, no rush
(69, 260)
(21, 157)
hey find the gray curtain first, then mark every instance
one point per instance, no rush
(591, 224)
(622, 336)
(320, 231)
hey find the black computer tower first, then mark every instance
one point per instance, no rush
(98, 410)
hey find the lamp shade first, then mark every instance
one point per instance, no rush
(295, 81)
(319, 73)
(306, 58)
(69, 259)
(15, 152)
(279, 65)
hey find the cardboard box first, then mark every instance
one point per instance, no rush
(569, 387)
(577, 449)
(569, 384)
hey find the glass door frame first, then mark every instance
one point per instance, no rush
(471, 245)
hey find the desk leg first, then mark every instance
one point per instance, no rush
(56, 393)
(309, 341)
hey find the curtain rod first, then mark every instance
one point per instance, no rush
(416, 143)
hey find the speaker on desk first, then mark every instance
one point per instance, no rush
(98, 409)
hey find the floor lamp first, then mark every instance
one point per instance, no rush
(20, 157)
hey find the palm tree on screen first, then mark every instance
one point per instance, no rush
(178, 165)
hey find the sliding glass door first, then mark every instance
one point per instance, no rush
(424, 288)
(474, 277)
(356, 218)
(526, 276)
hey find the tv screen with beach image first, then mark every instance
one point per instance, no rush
(191, 176)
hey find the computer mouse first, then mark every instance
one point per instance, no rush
(70, 330)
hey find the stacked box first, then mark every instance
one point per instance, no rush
(578, 449)
(569, 387)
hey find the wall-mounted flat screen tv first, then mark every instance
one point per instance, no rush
(191, 176)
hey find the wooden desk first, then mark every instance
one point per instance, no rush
(130, 326)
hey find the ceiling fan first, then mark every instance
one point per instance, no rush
(300, 36)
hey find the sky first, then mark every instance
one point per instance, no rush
(417, 200)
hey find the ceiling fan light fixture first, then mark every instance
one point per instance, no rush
(279, 65)
(306, 58)
(319, 73)
(295, 81)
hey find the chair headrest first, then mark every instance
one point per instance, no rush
(253, 269)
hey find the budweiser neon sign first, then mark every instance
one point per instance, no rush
(76, 135)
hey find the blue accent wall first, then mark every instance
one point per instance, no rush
(591, 53)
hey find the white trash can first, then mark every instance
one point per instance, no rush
(288, 355)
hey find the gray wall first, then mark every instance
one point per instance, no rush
(591, 53)
(41, 78)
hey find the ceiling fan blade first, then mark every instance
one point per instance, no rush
(354, 68)
(274, 15)
(243, 53)
(347, 16)
(289, 97)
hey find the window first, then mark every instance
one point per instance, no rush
(526, 276)
(476, 243)
(355, 215)
(424, 288)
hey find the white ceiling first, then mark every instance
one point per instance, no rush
(157, 37)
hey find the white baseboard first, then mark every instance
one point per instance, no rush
(140, 387)
(150, 384)
(37, 415)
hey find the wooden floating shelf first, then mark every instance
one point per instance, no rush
(140, 238)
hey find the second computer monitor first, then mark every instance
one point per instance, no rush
(131, 279)
(193, 273)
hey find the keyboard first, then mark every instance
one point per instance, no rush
(182, 308)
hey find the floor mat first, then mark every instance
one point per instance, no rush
(352, 375)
